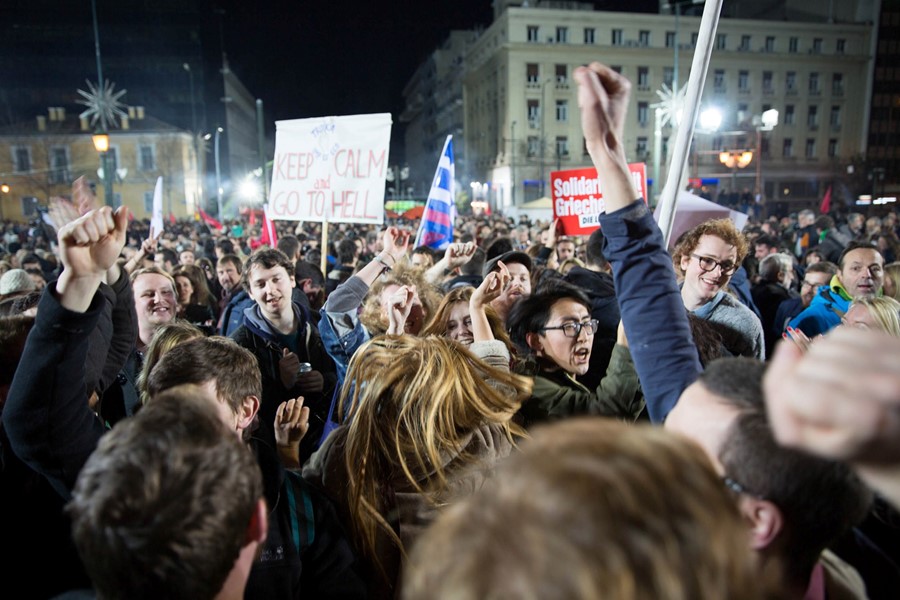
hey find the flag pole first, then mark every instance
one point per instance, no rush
(699, 67)
(324, 246)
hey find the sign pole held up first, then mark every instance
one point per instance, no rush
(324, 246)
(699, 67)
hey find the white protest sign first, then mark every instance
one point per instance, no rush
(330, 169)
(156, 220)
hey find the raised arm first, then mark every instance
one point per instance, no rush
(46, 416)
(653, 314)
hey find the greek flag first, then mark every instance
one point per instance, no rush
(436, 228)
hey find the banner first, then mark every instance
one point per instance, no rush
(436, 227)
(330, 169)
(577, 197)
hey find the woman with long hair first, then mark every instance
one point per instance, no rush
(194, 299)
(424, 421)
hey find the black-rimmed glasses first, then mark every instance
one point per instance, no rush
(709, 264)
(573, 330)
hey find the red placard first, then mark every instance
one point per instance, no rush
(577, 197)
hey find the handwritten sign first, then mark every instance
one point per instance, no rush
(577, 197)
(330, 168)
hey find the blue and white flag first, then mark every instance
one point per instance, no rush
(436, 228)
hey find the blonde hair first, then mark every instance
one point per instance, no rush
(591, 508)
(415, 401)
(372, 315)
(885, 310)
(892, 272)
(166, 337)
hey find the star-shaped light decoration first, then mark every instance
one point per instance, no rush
(102, 104)
(671, 103)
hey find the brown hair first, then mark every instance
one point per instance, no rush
(591, 508)
(723, 229)
(198, 282)
(154, 271)
(438, 323)
(166, 337)
(265, 258)
(422, 400)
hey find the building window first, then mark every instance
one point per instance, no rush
(562, 145)
(643, 78)
(787, 148)
(770, 43)
(789, 114)
(810, 148)
(644, 37)
(21, 159)
(534, 145)
(617, 68)
(792, 45)
(694, 37)
(745, 43)
(562, 74)
(670, 39)
(721, 41)
(817, 46)
(562, 110)
(668, 76)
(641, 148)
(835, 117)
(532, 73)
(837, 84)
(719, 80)
(562, 35)
(534, 112)
(113, 158)
(145, 158)
(813, 83)
(534, 33)
(643, 113)
(841, 46)
(589, 33)
(148, 202)
(743, 81)
(764, 150)
(616, 37)
(767, 82)
(812, 116)
(59, 165)
(790, 81)
(832, 148)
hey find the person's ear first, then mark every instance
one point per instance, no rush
(685, 261)
(302, 283)
(248, 410)
(781, 276)
(765, 518)
(534, 342)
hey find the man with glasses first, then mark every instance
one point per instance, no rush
(816, 276)
(554, 332)
(705, 259)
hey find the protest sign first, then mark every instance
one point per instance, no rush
(330, 169)
(577, 197)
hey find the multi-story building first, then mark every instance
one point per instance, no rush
(521, 111)
(47, 154)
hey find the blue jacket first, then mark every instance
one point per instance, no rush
(233, 313)
(824, 312)
(655, 319)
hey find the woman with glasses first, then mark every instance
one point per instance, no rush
(553, 331)
(705, 259)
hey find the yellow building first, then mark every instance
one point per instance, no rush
(41, 159)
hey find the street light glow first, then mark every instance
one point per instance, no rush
(249, 189)
(711, 119)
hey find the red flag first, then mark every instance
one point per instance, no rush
(252, 217)
(209, 220)
(172, 218)
(826, 202)
(269, 237)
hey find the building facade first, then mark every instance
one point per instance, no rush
(521, 114)
(40, 159)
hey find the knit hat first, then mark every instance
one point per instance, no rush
(14, 281)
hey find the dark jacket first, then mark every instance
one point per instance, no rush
(604, 308)
(257, 335)
(768, 296)
(232, 315)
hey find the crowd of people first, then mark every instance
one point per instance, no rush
(523, 414)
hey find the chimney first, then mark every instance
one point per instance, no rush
(131, 112)
(140, 112)
(83, 122)
(60, 113)
(126, 123)
(51, 111)
(42, 123)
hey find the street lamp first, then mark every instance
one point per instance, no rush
(219, 130)
(734, 160)
(764, 122)
(101, 145)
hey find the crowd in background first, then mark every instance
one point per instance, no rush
(522, 414)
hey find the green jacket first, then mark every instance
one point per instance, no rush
(556, 394)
